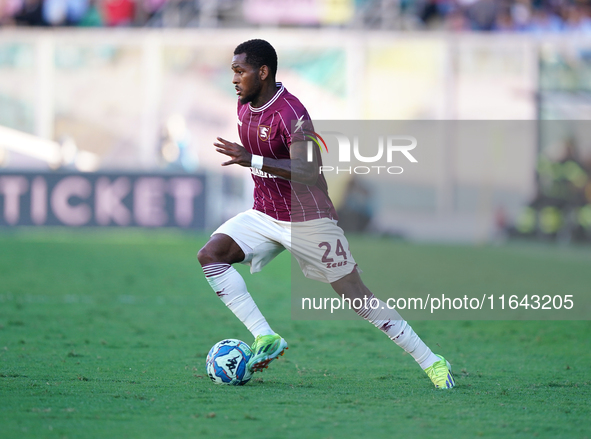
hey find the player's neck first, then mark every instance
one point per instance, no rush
(267, 92)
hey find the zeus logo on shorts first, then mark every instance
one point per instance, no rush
(335, 264)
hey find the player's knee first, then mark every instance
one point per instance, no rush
(211, 254)
(220, 249)
(205, 256)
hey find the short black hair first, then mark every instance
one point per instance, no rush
(259, 53)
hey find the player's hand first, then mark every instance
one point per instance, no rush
(239, 155)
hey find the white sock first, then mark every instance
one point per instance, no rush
(230, 287)
(399, 331)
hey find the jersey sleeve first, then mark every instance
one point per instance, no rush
(295, 124)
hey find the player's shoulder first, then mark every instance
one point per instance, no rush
(290, 109)
(290, 103)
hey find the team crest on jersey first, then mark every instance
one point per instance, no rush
(264, 132)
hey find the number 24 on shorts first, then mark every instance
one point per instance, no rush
(339, 251)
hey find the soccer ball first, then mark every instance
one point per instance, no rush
(226, 362)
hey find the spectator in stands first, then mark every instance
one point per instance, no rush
(544, 21)
(504, 22)
(8, 9)
(456, 21)
(482, 14)
(31, 14)
(118, 12)
(92, 16)
(535, 16)
(55, 12)
(577, 19)
(77, 9)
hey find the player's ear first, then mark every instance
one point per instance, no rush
(263, 72)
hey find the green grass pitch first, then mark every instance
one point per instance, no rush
(104, 334)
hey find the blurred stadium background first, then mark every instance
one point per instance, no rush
(108, 109)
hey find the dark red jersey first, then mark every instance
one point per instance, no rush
(267, 131)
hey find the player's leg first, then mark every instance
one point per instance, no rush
(389, 321)
(322, 251)
(216, 259)
(394, 326)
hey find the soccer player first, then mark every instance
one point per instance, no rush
(292, 210)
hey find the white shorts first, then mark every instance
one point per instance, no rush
(319, 245)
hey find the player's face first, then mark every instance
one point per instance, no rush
(246, 79)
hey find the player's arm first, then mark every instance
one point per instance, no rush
(296, 168)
